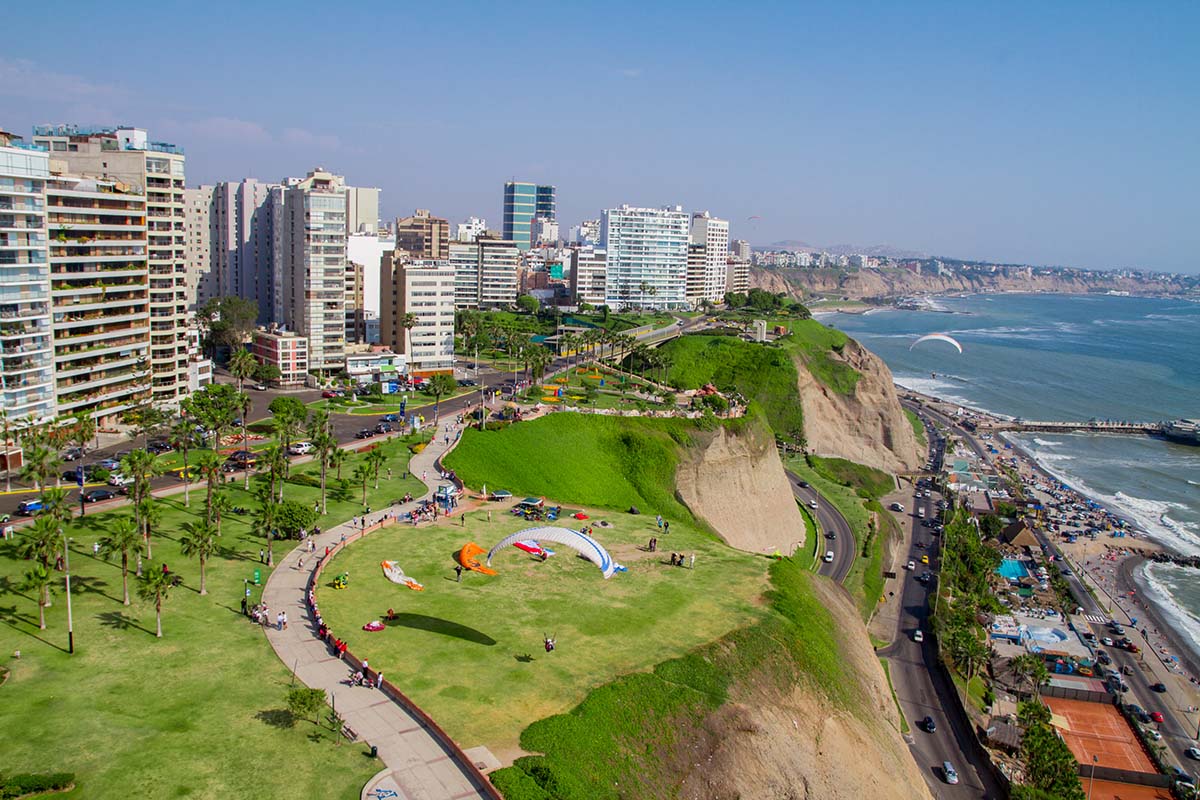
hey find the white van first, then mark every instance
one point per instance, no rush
(828, 556)
(921, 512)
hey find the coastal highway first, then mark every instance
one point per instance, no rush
(830, 520)
(1177, 731)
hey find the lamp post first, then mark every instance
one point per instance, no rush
(67, 569)
(1092, 779)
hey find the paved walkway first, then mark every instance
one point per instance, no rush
(421, 768)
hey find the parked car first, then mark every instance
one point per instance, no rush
(896, 506)
(949, 773)
(329, 393)
(117, 479)
(300, 448)
(365, 433)
(97, 495)
(260, 387)
(72, 454)
(1157, 717)
(27, 508)
(159, 446)
(1158, 687)
(383, 427)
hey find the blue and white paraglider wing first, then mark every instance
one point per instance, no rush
(585, 545)
(938, 337)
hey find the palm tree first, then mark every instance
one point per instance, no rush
(264, 521)
(183, 438)
(274, 459)
(1029, 667)
(208, 464)
(140, 467)
(41, 543)
(439, 385)
(539, 357)
(376, 458)
(55, 505)
(41, 580)
(362, 474)
(337, 457)
(408, 322)
(221, 503)
(83, 430)
(199, 540)
(242, 365)
(148, 514)
(122, 539)
(40, 462)
(155, 585)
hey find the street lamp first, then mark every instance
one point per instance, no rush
(67, 569)
(1092, 779)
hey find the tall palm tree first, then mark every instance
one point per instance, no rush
(376, 459)
(362, 474)
(208, 465)
(40, 543)
(41, 580)
(183, 438)
(265, 520)
(243, 366)
(55, 506)
(140, 466)
(155, 585)
(83, 429)
(539, 359)
(199, 541)
(39, 463)
(148, 514)
(122, 539)
(439, 385)
(408, 322)
(274, 460)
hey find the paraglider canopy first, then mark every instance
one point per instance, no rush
(585, 545)
(938, 337)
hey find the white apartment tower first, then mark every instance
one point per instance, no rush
(128, 156)
(314, 266)
(242, 240)
(589, 275)
(362, 210)
(647, 252)
(485, 272)
(713, 235)
(26, 355)
(100, 285)
(741, 250)
(197, 237)
(467, 231)
(425, 289)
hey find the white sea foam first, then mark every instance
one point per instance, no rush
(1046, 443)
(1163, 582)
(934, 387)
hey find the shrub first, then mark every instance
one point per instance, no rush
(21, 784)
(291, 516)
(304, 479)
(416, 448)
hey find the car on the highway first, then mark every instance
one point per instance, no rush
(1131, 647)
(812, 504)
(389, 418)
(1193, 753)
(918, 635)
(929, 725)
(98, 495)
(828, 556)
(117, 479)
(831, 535)
(108, 463)
(1157, 717)
(949, 773)
(1107, 641)
(365, 433)
(260, 387)
(300, 448)
(27, 508)
(330, 393)
(1180, 776)
(245, 458)
(802, 484)
(1103, 657)
(72, 454)
(925, 559)
(911, 565)
(1126, 670)
(1158, 687)
(383, 427)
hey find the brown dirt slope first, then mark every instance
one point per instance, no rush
(736, 483)
(787, 743)
(868, 426)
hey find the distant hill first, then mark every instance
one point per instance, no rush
(882, 250)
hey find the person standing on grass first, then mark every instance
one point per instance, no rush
(666, 528)
(658, 521)
(262, 556)
(693, 562)
(458, 573)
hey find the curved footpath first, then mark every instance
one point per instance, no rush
(422, 763)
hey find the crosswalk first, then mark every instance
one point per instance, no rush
(1095, 619)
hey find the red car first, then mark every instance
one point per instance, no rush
(1156, 716)
(328, 393)
(1133, 648)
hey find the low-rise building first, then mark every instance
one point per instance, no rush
(285, 350)
(589, 275)
(380, 365)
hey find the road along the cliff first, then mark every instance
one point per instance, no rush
(829, 521)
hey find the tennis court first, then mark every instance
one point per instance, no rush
(1111, 790)
(1098, 729)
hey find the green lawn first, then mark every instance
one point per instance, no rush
(917, 426)
(612, 391)
(471, 654)
(614, 462)
(899, 711)
(812, 535)
(193, 714)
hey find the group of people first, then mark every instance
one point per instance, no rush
(424, 513)
(261, 615)
(678, 559)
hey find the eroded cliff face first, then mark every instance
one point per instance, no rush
(885, 284)
(736, 483)
(868, 426)
(770, 742)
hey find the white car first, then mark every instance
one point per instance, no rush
(918, 635)
(812, 504)
(828, 556)
(911, 565)
(949, 773)
(117, 479)
(300, 448)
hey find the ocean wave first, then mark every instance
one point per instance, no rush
(1046, 443)
(1163, 584)
(935, 387)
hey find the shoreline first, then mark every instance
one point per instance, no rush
(1128, 558)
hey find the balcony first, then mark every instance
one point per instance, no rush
(67, 353)
(76, 320)
(97, 361)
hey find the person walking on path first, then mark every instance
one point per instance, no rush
(262, 556)
(458, 573)
(463, 519)
(283, 620)
(666, 528)
(658, 520)
(389, 473)
(279, 621)
(245, 609)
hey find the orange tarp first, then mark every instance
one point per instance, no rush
(468, 557)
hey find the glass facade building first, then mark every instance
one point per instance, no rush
(522, 203)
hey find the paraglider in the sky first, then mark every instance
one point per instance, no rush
(585, 545)
(938, 337)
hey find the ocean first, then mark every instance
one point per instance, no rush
(1073, 357)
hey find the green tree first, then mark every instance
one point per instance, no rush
(528, 304)
(362, 475)
(376, 459)
(39, 579)
(439, 386)
(305, 703)
(242, 366)
(155, 586)
(183, 439)
(40, 462)
(1032, 712)
(227, 322)
(215, 407)
(268, 373)
(140, 466)
(289, 418)
(1049, 763)
(208, 465)
(121, 539)
(291, 516)
(83, 429)
(265, 520)
(144, 420)
(337, 457)
(199, 541)
(274, 460)
(408, 322)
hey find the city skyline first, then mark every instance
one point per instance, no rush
(1024, 135)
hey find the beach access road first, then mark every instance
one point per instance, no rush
(829, 520)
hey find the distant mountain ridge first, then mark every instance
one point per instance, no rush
(880, 250)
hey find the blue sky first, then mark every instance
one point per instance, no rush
(1061, 133)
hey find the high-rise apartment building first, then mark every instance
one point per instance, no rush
(100, 285)
(425, 289)
(543, 232)
(197, 241)
(696, 266)
(241, 243)
(424, 236)
(586, 232)
(522, 203)
(314, 266)
(741, 250)
(589, 275)
(362, 210)
(713, 235)
(647, 257)
(129, 156)
(737, 276)
(26, 354)
(485, 272)
(356, 316)
(467, 231)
